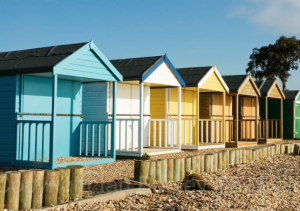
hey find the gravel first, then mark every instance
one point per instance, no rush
(269, 184)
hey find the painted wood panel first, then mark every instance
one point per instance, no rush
(275, 93)
(163, 75)
(248, 89)
(7, 117)
(37, 98)
(88, 66)
(213, 84)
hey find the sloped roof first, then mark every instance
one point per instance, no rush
(134, 68)
(265, 86)
(35, 60)
(234, 82)
(259, 83)
(141, 68)
(193, 75)
(291, 94)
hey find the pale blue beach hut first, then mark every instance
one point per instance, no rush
(41, 107)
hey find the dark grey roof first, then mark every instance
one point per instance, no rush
(193, 75)
(35, 60)
(266, 86)
(134, 68)
(234, 82)
(259, 83)
(291, 94)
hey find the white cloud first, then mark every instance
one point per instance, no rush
(279, 15)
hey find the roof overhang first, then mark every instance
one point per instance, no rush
(157, 64)
(249, 78)
(212, 70)
(275, 83)
(89, 46)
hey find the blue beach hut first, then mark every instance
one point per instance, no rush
(41, 107)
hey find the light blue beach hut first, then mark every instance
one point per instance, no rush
(41, 107)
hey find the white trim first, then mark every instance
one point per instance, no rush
(297, 96)
(194, 147)
(208, 74)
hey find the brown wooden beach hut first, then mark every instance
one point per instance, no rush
(243, 111)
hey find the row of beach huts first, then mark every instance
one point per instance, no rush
(70, 100)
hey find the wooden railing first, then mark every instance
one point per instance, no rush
(189, 132)
(229, 130)
(273, 128)
(33, 140)
(127, 136)
(247, 129)
(94, 138)
(210, 130)
(162, 133)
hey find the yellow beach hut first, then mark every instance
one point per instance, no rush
(202, 107)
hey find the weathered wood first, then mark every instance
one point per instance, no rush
(63, 185)
(182, 168)
(220, 161)
(201, 163)
(244, 156)
(193, 163)
(12, 190)
(170, 174)
(268, 151)
(51, 180)
(237, 156)
(232, 157)
(227, 158)
(164, 171)
(37, 188)
(215, 161)
(282, 149)
(254, 154)
(197, 168)
(240, 156)
(152, 174)
(25, 196)
(296, 149)
(188, 161)
(277, 149)
(224, 159)
(141, 170)
(208, 162)
(158, 171)
(176, 176)
(286, 150)
(76, 181)
(265, 152)
(2, 189)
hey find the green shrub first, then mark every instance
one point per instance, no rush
(145, 156)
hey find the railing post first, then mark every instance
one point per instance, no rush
(141, 125)
(281, 119)
(197, 117)
(114, 120)
(179, 119)
(266, 118)
(184, 132)
(53, 121)
(223, 134)
(256, 119)
(236, 124)
(80, 138)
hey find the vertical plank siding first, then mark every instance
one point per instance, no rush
(7, 119)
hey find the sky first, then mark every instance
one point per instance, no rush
(191, 32)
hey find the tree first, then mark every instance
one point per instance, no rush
(275, 60)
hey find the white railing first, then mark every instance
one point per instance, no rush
(162, 133)
(210, 130)
(189, 131)
(127, 134)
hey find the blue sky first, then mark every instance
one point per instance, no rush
(191, 32)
